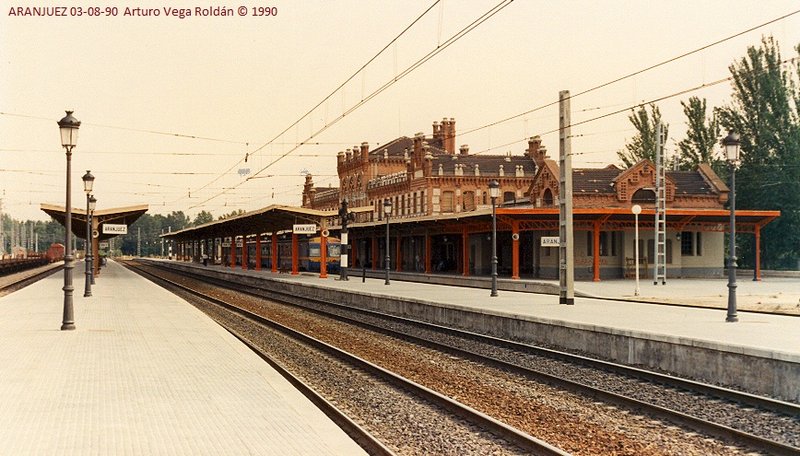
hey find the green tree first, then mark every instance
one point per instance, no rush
(232, 214)
(701, 135)
(177, 220)
(764, 111)
(203, 217)
(643, 144)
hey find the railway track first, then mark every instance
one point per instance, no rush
(13, 282)
(452, 423)
(619, 385)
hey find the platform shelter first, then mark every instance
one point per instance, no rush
(116, 216)
(461, 243)
(222, 241)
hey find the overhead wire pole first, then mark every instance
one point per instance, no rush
(566, 256)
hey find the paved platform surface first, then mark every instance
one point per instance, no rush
(773, 336)
(143, 373)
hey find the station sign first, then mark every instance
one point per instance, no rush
(103, 245)
(550, 241)
(304, 228)
(111, 228)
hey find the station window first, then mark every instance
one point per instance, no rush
(687, 243)
(691, 243)
(608, 243)
(447, 201)
(469, 201)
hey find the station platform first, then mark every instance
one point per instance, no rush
(760, 352)
(144, 373)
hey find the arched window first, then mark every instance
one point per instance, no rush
(547, 198)
(644, 195)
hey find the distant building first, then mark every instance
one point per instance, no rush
(423, 176)
(427, 180)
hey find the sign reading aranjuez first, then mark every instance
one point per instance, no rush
(110, 228)
(304, 229)
(550, 241)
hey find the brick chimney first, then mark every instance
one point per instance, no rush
(449, 135)
(365, 151)
(464, 149)
(438, 133)
(419, 153)
(536, 153)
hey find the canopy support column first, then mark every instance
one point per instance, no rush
(295, 254)
(596, 251)
(274, 250)
(258, 252)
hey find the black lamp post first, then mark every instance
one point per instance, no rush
(387, 211)
(494, 192)
(88, 182)
(731, 145)
(92, 205)
(68, 127)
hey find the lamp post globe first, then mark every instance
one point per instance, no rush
(68, 127)
(494, 192)
(731, 145)
(387, 211)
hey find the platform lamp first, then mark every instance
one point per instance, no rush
(494, 192)
(88, 182)
(92, 205)
(387, 211)
(68, 127)
(636, 209)
(731, 144)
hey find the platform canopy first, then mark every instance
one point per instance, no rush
(117, 215)
(529, 218)
(271, 219)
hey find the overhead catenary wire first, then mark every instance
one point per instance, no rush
(635, 73)
(637, 105)
(328, 97)
(139, 130)
(440, 48)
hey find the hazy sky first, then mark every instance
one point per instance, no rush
(170, 107)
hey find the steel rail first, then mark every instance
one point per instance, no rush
(10, 284)
(721, 431)
(498, 428)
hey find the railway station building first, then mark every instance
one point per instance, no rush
(441, 213)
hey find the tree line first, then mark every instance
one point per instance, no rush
(765, 111)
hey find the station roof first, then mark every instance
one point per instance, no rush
(546, 218)
(271, 219)
(276, 219)
(120, 215)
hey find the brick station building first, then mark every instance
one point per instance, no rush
(441, 211)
